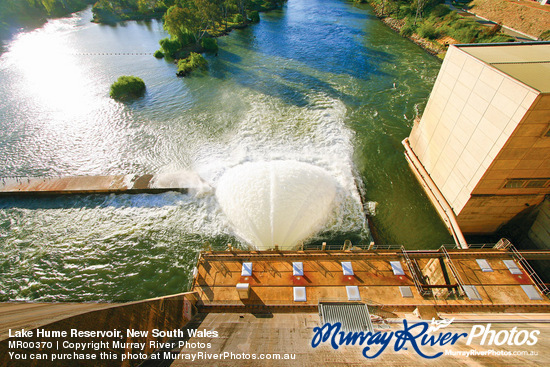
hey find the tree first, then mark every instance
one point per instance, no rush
(420, 4)
(193, 17)
(194, 61)
(209, 10)
(174, 20)
(242, 5)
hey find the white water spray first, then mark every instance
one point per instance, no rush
(276, 202)
(182, 179)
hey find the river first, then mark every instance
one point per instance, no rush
(322, 82)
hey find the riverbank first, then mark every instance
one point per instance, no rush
(398, 24)
(15, 15)
(437, 27)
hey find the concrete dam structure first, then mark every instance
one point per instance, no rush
(484, 137)
(83, 185)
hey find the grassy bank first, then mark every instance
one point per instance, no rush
(433, 25)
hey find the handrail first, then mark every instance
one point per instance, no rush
(449, 262)
(530, 271)
(386, 247)
(423, 291)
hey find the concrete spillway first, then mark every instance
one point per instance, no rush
(113, 184)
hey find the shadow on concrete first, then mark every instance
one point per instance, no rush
(164, 357)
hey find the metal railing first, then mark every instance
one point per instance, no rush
(530, 271)
(481, 245)
(417, 282)
(449, 262)
(502, 244)
(385, 247)
(451, 246)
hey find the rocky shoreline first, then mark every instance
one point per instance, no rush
(397, 24)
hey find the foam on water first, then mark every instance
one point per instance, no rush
(183, 179)
(298, 151)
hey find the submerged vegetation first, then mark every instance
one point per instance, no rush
(19, 13)
(127, 87)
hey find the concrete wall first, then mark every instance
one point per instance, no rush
(471, 113)
(525, 154)
(164, 313)
(539, 232)
(487, 213)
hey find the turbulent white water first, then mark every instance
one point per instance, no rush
(280, 175)
(182, 179)
(276, 203)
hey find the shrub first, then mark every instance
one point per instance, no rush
(127, 87)
(392, 8)
(465, 31)
(254, 16)
(451, 17)
(427, 30)
(209, 44)
(408, 29)
(170, 46)
(158, 54)
(440, 10)
(404, 11)
(186, 38)
(500, 38)
(194, 61)
(238, 18)
(160, 7)
(104, 12)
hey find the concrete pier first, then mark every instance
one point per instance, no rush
(113, 184)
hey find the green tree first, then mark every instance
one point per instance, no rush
(174, 20)
(187, 65)
(170, 46)
(193, 17)
(242, 5)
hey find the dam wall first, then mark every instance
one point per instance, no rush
(164, 313)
